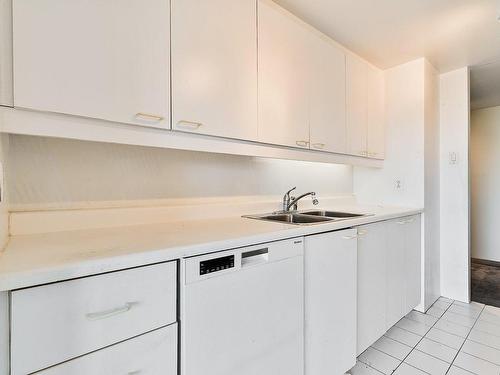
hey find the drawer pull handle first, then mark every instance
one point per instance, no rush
(189, 124)
(350, 237)
(112, 312)
(302, 143)
(137, 372)
(362, 233)
(148, 117)
(319, 145)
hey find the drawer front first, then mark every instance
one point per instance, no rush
(57, 322)
(154, 353)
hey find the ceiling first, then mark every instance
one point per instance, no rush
(450, 33)
(485, 85)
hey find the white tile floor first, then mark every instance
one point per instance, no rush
(452, 338)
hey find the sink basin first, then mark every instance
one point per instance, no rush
(332, 214)
(293, 218)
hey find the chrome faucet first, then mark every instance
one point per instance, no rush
(289, 201)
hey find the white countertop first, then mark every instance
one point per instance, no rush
(35, 259)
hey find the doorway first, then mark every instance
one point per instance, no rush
(485, 184)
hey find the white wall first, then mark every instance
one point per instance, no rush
(454, 118)
(432, 219)
(485, 183)
(61, 173)
(404, 143)
(412, 152)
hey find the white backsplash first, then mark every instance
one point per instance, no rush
(51, 173)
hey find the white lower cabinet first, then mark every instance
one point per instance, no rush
(154, 353)
(57, 322)
(413, 253)
(389, 274)
(372, 291)
(330, 302)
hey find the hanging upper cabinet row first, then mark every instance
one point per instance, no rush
(274, 81)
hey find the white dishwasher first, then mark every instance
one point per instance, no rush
(242, 311)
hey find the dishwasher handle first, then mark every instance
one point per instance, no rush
(254, 257)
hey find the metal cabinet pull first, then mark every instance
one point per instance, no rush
(402, 222)
(372, 153)
(319, 145)
(189, 124)
(363, 153)
(137, 372)
(302, 143)
(350, 237)
(362, 233)
(148, 117)
(111, 312)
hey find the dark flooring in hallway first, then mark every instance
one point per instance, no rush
(485, 283)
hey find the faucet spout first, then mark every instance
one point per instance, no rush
(296, 200)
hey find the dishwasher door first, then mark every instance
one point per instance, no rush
(242, 311)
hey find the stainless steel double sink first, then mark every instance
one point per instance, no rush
(307, 217)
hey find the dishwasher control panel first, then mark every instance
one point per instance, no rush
(217, 264)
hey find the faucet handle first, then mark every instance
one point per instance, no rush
(315, 200)
(287, 194)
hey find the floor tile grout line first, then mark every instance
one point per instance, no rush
(492, 334)
(440, 343)
(399, 342)
(432, 355)
(481, 343)
(415, 347)
(459, 350)
(419, 369)
(482, 359)
(454, 334)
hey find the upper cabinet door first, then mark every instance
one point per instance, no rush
(283, 77)
(327, 96)
(214, 67)
(103, 59)
(356, 93)
(376, 113)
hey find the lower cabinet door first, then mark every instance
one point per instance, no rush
(372, 284)
(154, 353)
(330, 302)
(413, 267)
(395, 269)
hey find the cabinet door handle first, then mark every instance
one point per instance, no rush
(136, 372)
(111, 312)
(363, 153)
(350, 237)
(402, 222)
(189, 124)
(372, 153)
(302, 143)
(319, 145)
(362, 233)
(148, 117)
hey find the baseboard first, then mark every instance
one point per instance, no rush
(486, 262)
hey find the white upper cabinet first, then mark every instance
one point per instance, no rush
(356, 92)
(365, 109)
(214, 67)
(94, 58)
(327, 96)
(283, 77)
(376, 113)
